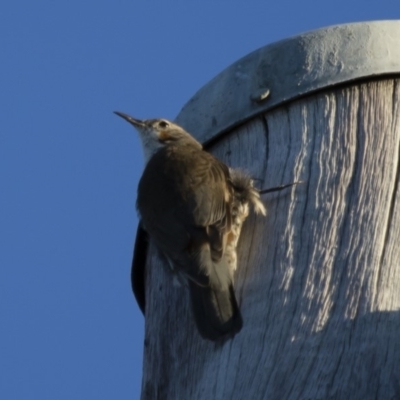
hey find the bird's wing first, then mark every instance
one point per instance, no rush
(183, 198)
(211, 192)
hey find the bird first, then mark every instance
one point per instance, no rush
(192, 207)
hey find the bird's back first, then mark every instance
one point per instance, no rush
(184, 199)
(183, 189)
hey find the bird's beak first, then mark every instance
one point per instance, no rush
(137, 123)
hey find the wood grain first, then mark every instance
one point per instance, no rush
(318, 279)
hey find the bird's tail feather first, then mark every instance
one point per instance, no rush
(216, 312)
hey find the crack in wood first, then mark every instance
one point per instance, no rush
(394, 193)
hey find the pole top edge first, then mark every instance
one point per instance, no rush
(291, 68)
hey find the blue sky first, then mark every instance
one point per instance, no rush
(70, 328)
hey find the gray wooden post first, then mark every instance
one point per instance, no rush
(318, 279)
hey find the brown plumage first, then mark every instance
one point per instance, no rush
(193, 206)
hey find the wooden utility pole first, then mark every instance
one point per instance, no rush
(318, 279)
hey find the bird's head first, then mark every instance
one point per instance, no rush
(158, 133)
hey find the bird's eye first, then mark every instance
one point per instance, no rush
(163, 124)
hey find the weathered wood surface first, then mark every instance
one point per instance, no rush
(318, 279)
